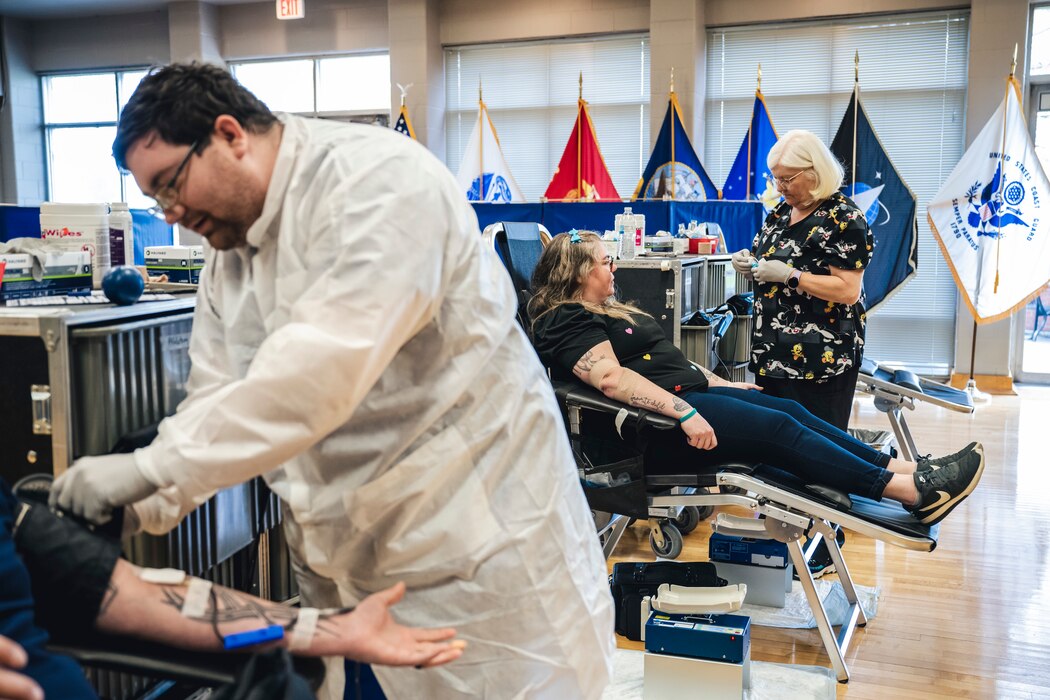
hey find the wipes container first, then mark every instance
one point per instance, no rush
(73, 227)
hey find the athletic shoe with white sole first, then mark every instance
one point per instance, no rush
(941, 489)
(926, 463)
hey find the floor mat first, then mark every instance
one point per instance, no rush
(797, 614)
(769, 681)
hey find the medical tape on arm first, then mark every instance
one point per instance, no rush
(196, 602)
(305, 627)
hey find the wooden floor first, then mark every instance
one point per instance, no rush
(972, 618)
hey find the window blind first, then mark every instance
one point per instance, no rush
(913, 73)
(530, 89)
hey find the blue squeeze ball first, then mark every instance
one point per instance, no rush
(123, 285)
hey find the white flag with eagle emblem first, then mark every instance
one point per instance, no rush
(991, 217)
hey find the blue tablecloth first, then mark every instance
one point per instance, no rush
(739, 220)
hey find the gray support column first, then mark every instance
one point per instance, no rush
(678, 32)
(194, 32)
(22, 178)
(416, 57)
(995, 26)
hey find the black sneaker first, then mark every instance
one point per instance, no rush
(943, 488)
(820, 564)
(926, 463)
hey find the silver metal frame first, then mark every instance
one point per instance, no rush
(788, 518)
(890, 398)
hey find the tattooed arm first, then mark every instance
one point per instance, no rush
(368, 633)
(600, 368)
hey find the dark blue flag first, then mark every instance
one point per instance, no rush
(674, 169)
(404, 125)
(887, 202)
(749, 178)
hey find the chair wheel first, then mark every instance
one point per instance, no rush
(687, 519)
(704, 512)
(730, 489)
(672, 542)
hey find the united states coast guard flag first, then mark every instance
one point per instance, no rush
(404, 124)
(674, 170)
(749, 178)
(991, 217)
(483, 174)
(888, 204)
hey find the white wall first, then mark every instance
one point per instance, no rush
(21, 138)
(110, 41)
(330, 26)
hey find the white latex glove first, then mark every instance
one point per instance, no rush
(742, 262)
(94, 486)
(772, 272)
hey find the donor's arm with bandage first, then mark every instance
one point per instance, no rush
(80, 583)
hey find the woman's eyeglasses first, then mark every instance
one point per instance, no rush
(785, 181)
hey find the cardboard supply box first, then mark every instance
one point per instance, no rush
(181, 263)
(65, 272)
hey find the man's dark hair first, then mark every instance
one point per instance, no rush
(181, 102)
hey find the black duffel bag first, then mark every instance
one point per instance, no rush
(631, 581)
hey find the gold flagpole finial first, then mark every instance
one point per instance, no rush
(759, 77)
(672, 78)
(404, 91)
(479, 89)
(1013, 65)
(856, 67)
(581, 84)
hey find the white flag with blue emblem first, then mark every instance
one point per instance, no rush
(992, 216)
(483, 174)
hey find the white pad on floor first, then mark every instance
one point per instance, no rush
(796, 613)
(769, 681)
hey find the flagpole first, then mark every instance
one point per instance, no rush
(481, 143)
(750, 127)
(579, 142)
(971, 383)
(856, 110)
(672, 133)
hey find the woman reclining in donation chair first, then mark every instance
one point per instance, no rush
(580, 330)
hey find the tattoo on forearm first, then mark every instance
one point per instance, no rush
(707, 373)
(679, 405)
(646, 402)
(234, 607)
(107, 599)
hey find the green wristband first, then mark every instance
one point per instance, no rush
(687, 416)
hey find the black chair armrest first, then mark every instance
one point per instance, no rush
(574, 394)
(155, 660)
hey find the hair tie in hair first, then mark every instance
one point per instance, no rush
(574, 236)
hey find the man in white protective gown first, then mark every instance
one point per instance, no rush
(355, 344)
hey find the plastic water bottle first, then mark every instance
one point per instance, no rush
(626, 231)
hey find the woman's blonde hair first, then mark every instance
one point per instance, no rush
(559, 275)
(802, 150)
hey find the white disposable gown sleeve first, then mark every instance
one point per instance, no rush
(162, 511)
(376, 247)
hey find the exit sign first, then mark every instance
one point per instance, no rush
(291, 9)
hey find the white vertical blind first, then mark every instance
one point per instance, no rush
(913, 73)
(530, 90)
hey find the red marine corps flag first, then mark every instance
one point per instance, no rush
(581, 174)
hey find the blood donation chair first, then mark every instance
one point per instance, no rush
(895, 390)
(611, 445)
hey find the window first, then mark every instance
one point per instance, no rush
(913, 73)
(348, 88)
(80, 123)
(1040, 57)
(530, 89)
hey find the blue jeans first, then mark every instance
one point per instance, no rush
(752, 427)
